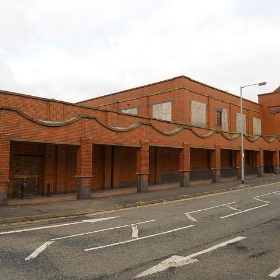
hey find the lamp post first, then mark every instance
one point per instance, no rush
(241, 129)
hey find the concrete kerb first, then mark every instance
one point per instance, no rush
(15, 220)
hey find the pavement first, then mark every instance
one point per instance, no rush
(66, 205)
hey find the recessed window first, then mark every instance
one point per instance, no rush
(131, 111)
(162, 111)
(257, 126)
(198, 113)
(219, 118)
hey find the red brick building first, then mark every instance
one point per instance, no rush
(171, 131)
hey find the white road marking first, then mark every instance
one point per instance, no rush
(209, 208)
(58, 225)
(99, 219)
(38, 251)
(257, 197)
(134, 231)
(243, 211)
(275, 273)
(138, 239)
(190, 217)
(46, 244)
(188, 214)
(232, 208)
(100, 230)
(176, 261)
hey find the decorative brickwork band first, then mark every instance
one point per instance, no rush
(184, 178)
(84, 187)
(3, 192)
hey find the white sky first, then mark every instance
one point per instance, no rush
(74, 50)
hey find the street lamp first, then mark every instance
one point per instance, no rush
(242, 132)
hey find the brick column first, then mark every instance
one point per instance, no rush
(4, 168)
(84, 167)
(276, 161)
(108, 184)
(61, 170)
(238, 164)
(50, 169)
(216, 164)
(143, 167)
(185, 165)
(260, 162)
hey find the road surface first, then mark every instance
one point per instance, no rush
(234, 235)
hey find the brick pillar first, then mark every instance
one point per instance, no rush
(185, 165)
(260, 162)
(84, 167)
(61, 186)
(108, 184)
(116, 150)
(216, 164)
(158, 165)
(4, 168)
(238, 164)
(276, 161)
(143, 167)
(50, 168)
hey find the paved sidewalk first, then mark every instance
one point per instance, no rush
(66, 205)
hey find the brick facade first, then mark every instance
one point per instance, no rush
(59, 147)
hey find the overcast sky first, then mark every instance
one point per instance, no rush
(73, 50)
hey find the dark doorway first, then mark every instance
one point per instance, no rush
(27, 175)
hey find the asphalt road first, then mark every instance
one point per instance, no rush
(233, 235)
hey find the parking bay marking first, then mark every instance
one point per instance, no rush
(253, 208)
(48, 243)
(177, 261)
(237, 211)
(188, 214)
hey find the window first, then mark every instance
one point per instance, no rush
(257, 126)
(238, 123)
(224, 120)
(219, 118)
(198, 113)
(162, 111)
(131, 111)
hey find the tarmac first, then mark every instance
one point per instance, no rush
(66, 205)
